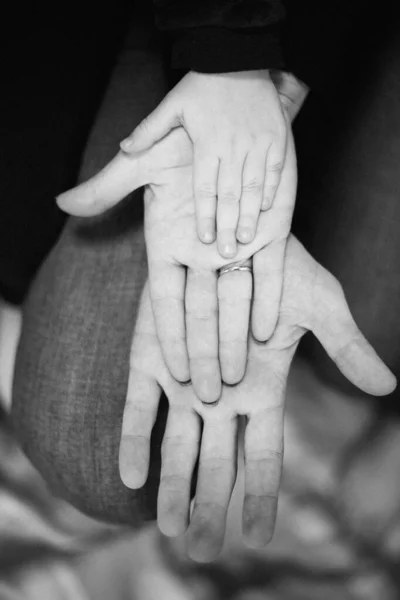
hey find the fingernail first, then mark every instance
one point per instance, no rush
(207, 237)
(228, 250)
(245, 235)
(125, 144)
(227, 243)
(207, 230)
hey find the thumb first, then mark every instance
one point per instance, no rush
(154, 127)
(346, 345)
(103, 191)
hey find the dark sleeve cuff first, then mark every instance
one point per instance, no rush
(220, 50)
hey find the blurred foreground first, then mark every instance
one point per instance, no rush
(337, 537)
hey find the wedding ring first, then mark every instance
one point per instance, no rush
(244, 265)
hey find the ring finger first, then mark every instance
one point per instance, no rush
(234, 297)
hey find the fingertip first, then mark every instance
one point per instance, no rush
(63, 201)
(259, 517)
(232, 371)
(206, 230)
(387, 384)
(172, 519)
(262, 329)
(360, 363)
(178, 363)
(227, 246)
(206, 535)
(208, 389)
(68, 203)
(133, 461)
(126, 145)
(245, 235)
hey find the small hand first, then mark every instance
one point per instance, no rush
(239, 130)
(183, 271)
(312, 300)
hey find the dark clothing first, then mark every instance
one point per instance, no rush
(222, 35)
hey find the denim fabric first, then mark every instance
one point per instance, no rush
(72, 366)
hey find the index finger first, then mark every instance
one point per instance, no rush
(142, 399)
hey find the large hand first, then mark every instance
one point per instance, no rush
(172, 245)
(238, 129)
(165, 165)
(312, 300)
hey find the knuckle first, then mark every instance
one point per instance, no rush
(229, 196)
(145, 125)
(275, 166)
(205, 190)
(253, 185)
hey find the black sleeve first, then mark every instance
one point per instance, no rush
(214, 36)
(320, 38)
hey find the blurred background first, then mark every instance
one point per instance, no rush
(338, 529)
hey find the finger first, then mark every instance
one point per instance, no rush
(154, 127)
(103, 191)
(179, 454)
(138, 420)
(205, 177)
(335, 328)
(142, 400)
(252, 196)
(275, 162)
(167, 290)
(202, 334)
(229, 192)
(234, 298)
(216, 478)
(268, 269)
(263, 466)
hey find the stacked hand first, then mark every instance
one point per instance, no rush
(196, 345)
(312, 300)
(198, 324)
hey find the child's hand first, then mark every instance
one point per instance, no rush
(238, 128)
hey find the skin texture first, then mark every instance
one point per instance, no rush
(172, 245)
(191, 306)
(312, 300)
(238, 130)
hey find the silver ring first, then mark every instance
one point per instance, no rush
(245, 265)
